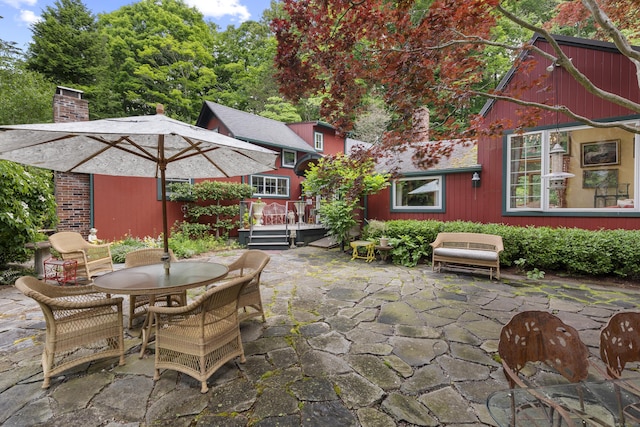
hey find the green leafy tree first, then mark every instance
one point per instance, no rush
(67, 47)
(161, 52)
(281, 110)
(27, 204)
(341, 182)
(244, 67)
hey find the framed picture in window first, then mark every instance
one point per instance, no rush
(600, 178)
(600, 153)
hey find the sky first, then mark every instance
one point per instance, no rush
(18, 15)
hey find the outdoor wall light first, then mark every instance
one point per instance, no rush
(475, 180)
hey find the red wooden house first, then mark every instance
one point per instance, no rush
(516, 183)
(125, 205)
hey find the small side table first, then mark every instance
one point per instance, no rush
(383, 251)
(61, 271)
(367, 245)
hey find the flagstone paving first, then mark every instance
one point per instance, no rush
(346, 343)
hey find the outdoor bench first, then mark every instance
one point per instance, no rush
(467, 251)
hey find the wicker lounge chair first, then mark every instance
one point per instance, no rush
(201, 337)
(138, 304)
(76, 317)
(251, 262)
(92, 258)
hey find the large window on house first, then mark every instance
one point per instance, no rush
(275, 186)
(575, 168)
(418, 194)
(318, 141)
(168, 183)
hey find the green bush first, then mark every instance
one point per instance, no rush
(569, 250)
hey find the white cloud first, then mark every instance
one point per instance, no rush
(220, 8)
(19, 3)
(28, 17)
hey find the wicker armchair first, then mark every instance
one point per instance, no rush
(199, 338)
(251, 263)
(92, 258)
(138, 304)
(76, 317)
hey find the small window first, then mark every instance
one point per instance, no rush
(288, 158)
(418, 194)
(274, 186)
(318, 141)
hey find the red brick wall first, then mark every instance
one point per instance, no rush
(72, 190)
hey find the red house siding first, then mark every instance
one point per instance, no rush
(610, 71)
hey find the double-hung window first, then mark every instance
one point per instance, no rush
(274, 186)
(318, 141)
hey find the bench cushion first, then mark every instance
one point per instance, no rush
(467, 253)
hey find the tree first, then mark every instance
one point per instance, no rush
(244, 67)
(67, 47)
(342, 181)
(161, 52)
(431, 54)
(278, 109)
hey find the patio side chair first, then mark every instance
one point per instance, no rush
(250, 263)
(92, 259)
(538, 336)
(139, 304)
(199, 338)
(82, 325)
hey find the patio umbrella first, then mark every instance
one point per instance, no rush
(142, 146)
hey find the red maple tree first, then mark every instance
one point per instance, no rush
(424, 54)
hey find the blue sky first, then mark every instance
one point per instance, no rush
(18, 15)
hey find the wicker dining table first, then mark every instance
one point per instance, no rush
(154, 280)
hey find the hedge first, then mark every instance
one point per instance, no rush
(570, 250)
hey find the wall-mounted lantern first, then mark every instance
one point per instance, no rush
(475, 180)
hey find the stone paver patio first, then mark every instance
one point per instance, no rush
(346, 343)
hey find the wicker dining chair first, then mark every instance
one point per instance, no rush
(199, 338)
(92, 258)
(251, 263)
(77, 317)
(138, 304)
(538, 336)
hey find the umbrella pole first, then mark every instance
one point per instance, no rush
(163, 186)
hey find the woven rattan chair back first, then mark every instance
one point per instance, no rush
(620, 342)
(77, 317)
(250, 263)
(201, 337)
(92, 258)
(139, 304)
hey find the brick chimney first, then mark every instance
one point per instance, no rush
(72, 190)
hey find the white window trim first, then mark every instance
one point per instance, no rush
(544, 198)
(287, 165)
(277, 178)
(436, 207)
(318, 141)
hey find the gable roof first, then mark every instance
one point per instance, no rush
(253, 128)
(588, 44)
(464, 157)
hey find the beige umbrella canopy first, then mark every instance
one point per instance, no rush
(145, 146)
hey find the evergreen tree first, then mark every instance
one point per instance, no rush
(67, 47)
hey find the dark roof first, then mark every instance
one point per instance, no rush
(253, 128)
(562, 40)
(464, 156)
